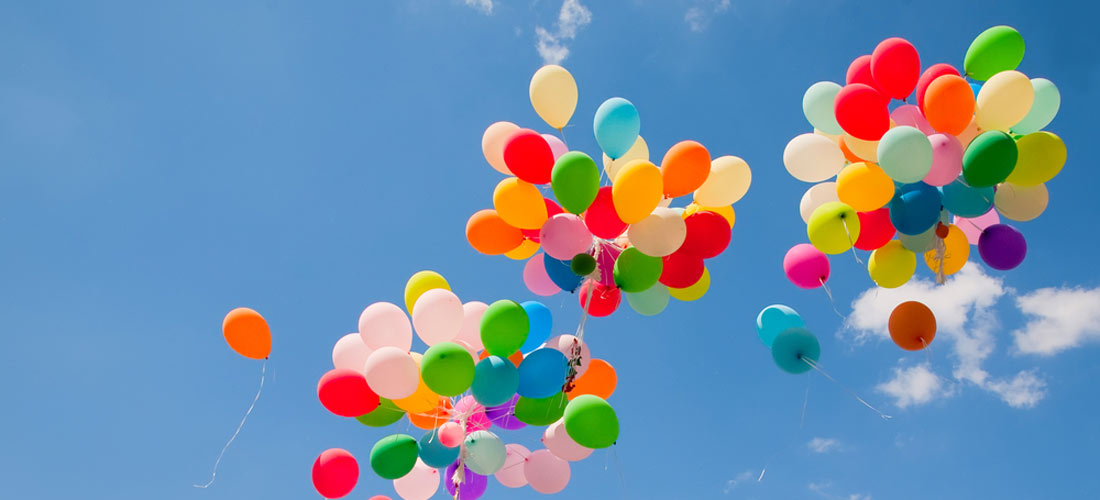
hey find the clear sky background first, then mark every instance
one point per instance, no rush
(164, 162)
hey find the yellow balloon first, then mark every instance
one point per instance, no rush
(1004, 100)
(864, 187)
(969, 134)
(523, 251)
(659, 234)
(956, 250)
(519, 203)
(833, 228)
(422, 282)
(728, 181)
(554, 95)
(423, 399)
(1041, 156)
(867, 150)
(892, 265)
(637, 190)
(1021, 203)
(726, 211)
(693, 292)
(817, 195)
(639, 151)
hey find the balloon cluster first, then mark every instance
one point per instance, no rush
(977, 152)
(487, 368)
(606, 240)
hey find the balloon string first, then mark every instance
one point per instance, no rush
(561, 132)
(805, 403)
(813, 365)
(213, 475)
(941, 255)
(850, 242)
(829, 294)
(927, 352)
(619, 467)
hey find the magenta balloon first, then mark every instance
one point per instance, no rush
(910, 115)
(476, 417)
(545, 472)
(1002, 247)
(565, 235)
(806, 266)
(536, 279)
(947, 154)
(972, 227)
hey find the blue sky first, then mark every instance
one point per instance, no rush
(162, 164)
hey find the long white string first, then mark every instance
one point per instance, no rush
(849, 391)
(263, 374)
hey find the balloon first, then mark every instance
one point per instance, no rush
(833, 228)
(419, 484)
(540, 411)
(817, 105)
(1004, 101)
(949, 104)
(542, 373)
(812, 158)
(519, 204)
(565, 235)
(639, 151)
(421, 282)
(684, 168)
(708, 234)
(793, 347)
(1043, 109)
(989, 159)
(335, 473)
(693, 292)
(511, 473)
(915, 208)
(725, 211)
(471, 486)
(968, 135)
(575, 181)
(635, 271)
(681, 269)
(451, 434)
(605, 299)
(439, 316)
(485, 452)
(920, 243)
(384, 414)
(806, 266)
(859, 71)
(912, 325)
(470, 331)
(546, 473)
(773, 320)
(616, 126)
(503, 416)
(552, 209)
(966, 201)
(345, 393)
(892, 265)
(601, 218)
(489, 234)
(582, 264)
(598, 379)
(875, 229)
(434, 452)
(556, 145)
(557, 440)
(423, 399)
(554, 95)
(433, 418)
(477, 419)
(930, 75)
(247, 333)
(973, 227)
(727, 183)
(524, 251)
(861, 150)
(561, 273)
(947, 156)
(1041, 156)
(447, 368)
(492, 144)
(861, 111)
(1002, 247)
(394, 456)
(905, 154)
(504, 327)
(911, 116)
(536, 279)
(660, 234)
(956, 251)
(529, 156)
(817, 195)
(895, 66)
(591, 422)
(350, 352)
(384, 324)
(649, 302)
(996, 49)
(864, 187)
(392, 372)
(636, 191)
(1021, 203)
(541, 321)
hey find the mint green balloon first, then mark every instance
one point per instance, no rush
(504, 328)
(997, 49)
(635, 271)
(650, 302)
(575, 181)
(591, 422)
(543, 411)
(905, 154)
(923, 242)
(485, 452)
(447, 369)
(384, 414)
(817, 105)
(1043, 109)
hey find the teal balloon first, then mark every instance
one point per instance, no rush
(989, 159)
(616, 126)
(541, 321)
(635, 271)
(792, 347)
(650, 302)
(433, 453)
(817, 105)
(542, 373)
(561, 273)
(966, 201)
(905, 154)
(773, 320)
(495, 381)
(915, 208)
(582, 264)
(1043, 109)
(575, 180)
(485, 452)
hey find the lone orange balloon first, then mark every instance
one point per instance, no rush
(949, 104)
(684, 168)
(247, 333)
(598, 380)
(912, 325)
(489, 234)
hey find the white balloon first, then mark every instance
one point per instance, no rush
(419, 484)
(384, 324)
(350, 352)
(817, 195)
(660, 234)
(812, 158)
(392, 373)
(439, 317)
(470, 332)
(728, 181)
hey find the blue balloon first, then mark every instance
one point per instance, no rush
(793, 347)
(495, 381)
(975, 87)
(966, 201)
(541, 321)
(542, 373)
(775, 318)
(915, 208)
(561, 274)
(616, 126)
(433, 453)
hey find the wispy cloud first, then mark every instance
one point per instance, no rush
(913, 386)
(698, 16)
(737, 480)
(552, 44)
(823, 445)
(1059, 319)
(822, 490)
(485, 6)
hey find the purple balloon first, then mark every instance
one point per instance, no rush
(1002, 247)
(504, 415)
(473, 484)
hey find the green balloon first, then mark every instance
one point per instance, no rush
(575, 181)
(591, 422)
(385, 414)
(650, 302)
(1043, 109)
(635, 271)
(582, 264)
(447, 369)
(393, 456)
(541, 411)
(989, 159)
(504, 328)
(997, 49)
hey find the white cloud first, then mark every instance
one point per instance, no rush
(551, 45)
(823, 445)
(1059, 319)
(915, 385)
(698, 16)
(485, 6)
(739, 479)
(822, 490)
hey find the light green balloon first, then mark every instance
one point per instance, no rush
(997, 49)
(447, 369)
(1041, 155)
(1043, 109)
(817, 105)
(833, 227)
(650, 302)
(905, 154)
(504, 328)
(591, 422)
(485, 452)
(543, 411)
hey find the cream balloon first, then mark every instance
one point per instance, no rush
(392, 373)
(812, 158)
(492, 144)
(419, 484)
(969, 134)
(554, 95)
(728, 181)
(660, 234)
(817, 195)
(1021, 203)
(439, 317)
(639, 151)
(867, 150)
(1003, 101)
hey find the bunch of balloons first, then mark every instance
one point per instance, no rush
(977, 152)
(605, 235)
(487, 368)
(794, 348)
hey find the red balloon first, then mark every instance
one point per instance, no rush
(862, 112)
(605, 299)
(875, 229)
(860, 72)
(895, 66)
(345, 392)
(934, 71)
(601, 218)
(681, 269)
(335, 473)
(552, 209)
(708, 234)
(528, 156)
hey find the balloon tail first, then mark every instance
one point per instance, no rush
(852, 393)
(927, 352)
(805, 403)
(619, 467)
(829, 294)
(851, 242)
(561, 132)
(214, 475)
(761, 478)
(941, 255)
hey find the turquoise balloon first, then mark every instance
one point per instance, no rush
(792, 347)
(975, 86)
(575, 181)
(542, 373)
(966, 201)
(817, 105)
(495, 381)
(650, 302)
(773, 320)
(485, 452)
(616, 126)
(433, 453)
(905, 154)
(1043, 109)
(915, 208)
(541, 321)
(635, 271)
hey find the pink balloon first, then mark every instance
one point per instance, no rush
(806, 266)
(470, 331)
(973, 227)
(536, 279)
(350, 352)
(605, 262)
(546, 473)
(473, 412)
(511, 473)
(947, 156)
(392, 373)
(561, 445)
(384, 324)
(564, 236)
(437, 316)
(556, 146)
(335, 473)
(451, 434)
(568, 346)
(419, 484)
(911, 116)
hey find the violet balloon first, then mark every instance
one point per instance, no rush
(1002, 247)
(806, 266)
(503, 416)
(473, 484)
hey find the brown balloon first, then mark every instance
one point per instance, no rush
(912, 325)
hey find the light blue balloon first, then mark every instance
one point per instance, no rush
(915, 208)
(561, 274)
(616, 126)
(433, 453)
(1043, 109)
(495, 381)
(905, 154)
(542, 373)
(792, 347)
(975, 86)
(775, 318)
(650, 302)
(485, 452)
(541, 320)
(817, 105)
(966, 201)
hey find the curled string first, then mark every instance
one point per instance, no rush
(813, 365)
(214, 475)
(832, 302)
(850, 242)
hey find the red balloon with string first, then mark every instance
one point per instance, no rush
(605, 299)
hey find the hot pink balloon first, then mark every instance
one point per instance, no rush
(470, 331)
(556, 146)
(451, 434)
(564, 236)
(911, 116)
(437, 316)
(419, 484)
(546, 473)
(605, 262)
(806, 266)
(511, 473)
(572, 347)
(473, 412)
(536, 279)
(947, 155)
(561, 445)
(895, 67)
(973, 227)
(350, 352)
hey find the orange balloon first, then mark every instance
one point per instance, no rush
(247, 333)
(516, 358)
(432, 419)
(489, 234)
(949, 104)
(599, 380)
(912, 324)
(848, 154)
(684, 168)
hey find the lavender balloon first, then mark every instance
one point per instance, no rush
(1002, 247)
(504, 416)
(473, 484)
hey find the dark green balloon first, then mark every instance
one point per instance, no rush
(504, 328)
(989, 159)
(582, 264)
(447, 369)
(394, 456)
(637, 272)
(385, 414)
(591, 422)
(575, 181)
(541, 411)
